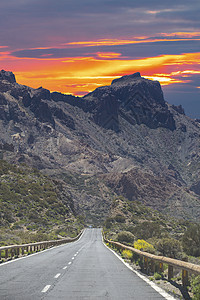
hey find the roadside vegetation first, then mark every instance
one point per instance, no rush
(33, 207)
(143, 228)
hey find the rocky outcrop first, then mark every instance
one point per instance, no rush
(8, 76)
(196, 188)
(136, 99)
(179, 109)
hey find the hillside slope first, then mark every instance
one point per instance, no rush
(32, 206)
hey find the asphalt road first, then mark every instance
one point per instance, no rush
(84, 269)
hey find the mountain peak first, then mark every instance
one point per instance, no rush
(8, 76)
(127, 78)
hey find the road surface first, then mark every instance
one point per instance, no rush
(84, 269)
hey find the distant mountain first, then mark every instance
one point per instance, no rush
(120, 139)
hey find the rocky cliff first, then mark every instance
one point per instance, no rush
(119, 139)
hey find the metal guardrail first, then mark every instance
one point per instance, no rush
(149, 262)
(13, 251)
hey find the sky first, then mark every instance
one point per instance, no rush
(75, 46)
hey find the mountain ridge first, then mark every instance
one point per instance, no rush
(108, 134)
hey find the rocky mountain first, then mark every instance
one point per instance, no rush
(120, 139)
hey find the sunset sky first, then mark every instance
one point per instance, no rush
(75, 46)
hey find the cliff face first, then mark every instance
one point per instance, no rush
(136, 99)
(119, 139)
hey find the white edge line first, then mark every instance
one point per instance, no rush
(45, 289)
(57, 275)
(69, 263)
(152, 284)
(23, 257)
(64, 268)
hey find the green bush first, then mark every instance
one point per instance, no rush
(147, 230)
(120, 219)
(169, 247)
(108, 223)
(125, 236)
(157, 276)
(195, 285)
(191, 240)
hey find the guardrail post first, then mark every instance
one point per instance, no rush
(17, 251)
(160, 267)
(22, 250)
(146, 264)
(141, 262)
(170, 272)
(0, 254)
(6, 254)
(153, 266)
(12, 252)
(185, 280)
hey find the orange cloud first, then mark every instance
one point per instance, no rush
(108, 54)
(79, 75)
(136, 40)
(164, 79)
(182, 34)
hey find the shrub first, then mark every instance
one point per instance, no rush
(127, 254)
(120, 219)
(125, 236)
(195, 285)
(157, 276)
(108, 223)
(147, 230)
(144, 246)
(169, 247)
(191, 240)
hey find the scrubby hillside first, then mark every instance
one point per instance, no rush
(32, 206)
(146, 229)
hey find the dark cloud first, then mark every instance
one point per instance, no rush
(132, 51)
(29, 23)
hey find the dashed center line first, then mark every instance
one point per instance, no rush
(69, 263)
(45, 289)
(72, 257)
(65, 268)
(57, 275)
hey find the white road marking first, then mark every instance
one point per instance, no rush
(75, 254)
(57, 275)
(69, 263)
(72, 257)
(45, 289)
(152, 284)
(37, 253)
(65, 268)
